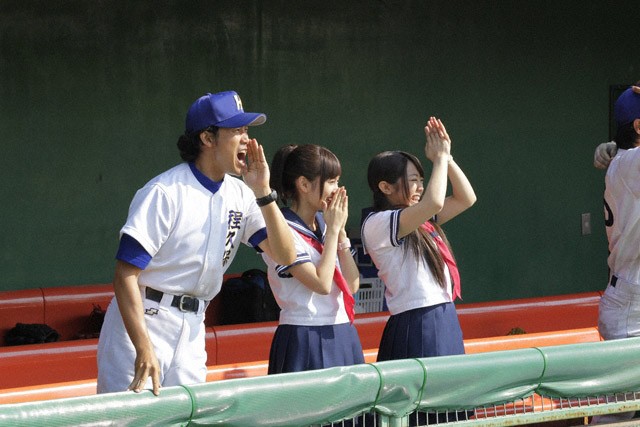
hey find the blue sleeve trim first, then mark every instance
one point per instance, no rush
(257, 238)
(283, 270)
(131, 251)
(395, 228)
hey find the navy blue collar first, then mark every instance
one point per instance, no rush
(298, 224)
(206, 182)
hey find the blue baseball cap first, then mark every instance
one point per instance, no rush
(627, 107)
(223, 109)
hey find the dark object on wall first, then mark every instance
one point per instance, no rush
(94, 323)
(30, 333)
(248, 299)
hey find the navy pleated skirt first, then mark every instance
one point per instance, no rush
(422, 332)
(303, 348)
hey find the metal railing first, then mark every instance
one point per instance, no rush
(533, 409)
(499, 388)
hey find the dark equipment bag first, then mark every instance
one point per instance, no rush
(248, 299)
(30, 333)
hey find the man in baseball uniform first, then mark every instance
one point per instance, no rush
(182, 232)
(622, 220)
(619, 311)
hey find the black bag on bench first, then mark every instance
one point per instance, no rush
(248, 299)
(30, 333)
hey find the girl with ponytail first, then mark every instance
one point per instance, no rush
(315, 292)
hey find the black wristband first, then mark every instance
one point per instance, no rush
(269, 198)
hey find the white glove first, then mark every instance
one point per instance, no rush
(604, 153)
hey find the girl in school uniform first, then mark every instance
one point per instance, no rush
(315, 292)
(404, 239)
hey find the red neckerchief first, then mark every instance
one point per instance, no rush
(448, 259)
(349, 301)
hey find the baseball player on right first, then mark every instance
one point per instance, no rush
(619, 311)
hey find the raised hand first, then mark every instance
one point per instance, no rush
(438, 142)
(604, 153)
(256, 171)
(336, 211)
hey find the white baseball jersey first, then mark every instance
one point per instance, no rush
(299, 304)
(622, 215)
(409, 281)
(192, 233)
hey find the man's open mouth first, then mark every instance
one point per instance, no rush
(242, 157)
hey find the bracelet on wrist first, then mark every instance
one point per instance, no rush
(345, 244)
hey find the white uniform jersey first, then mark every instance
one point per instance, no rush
(300, 305)
(192, 233)
(622, 215)
(409, 281)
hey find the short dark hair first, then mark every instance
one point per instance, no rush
(626, 136)
(190, 144)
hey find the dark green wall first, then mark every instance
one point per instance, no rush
(93, 97)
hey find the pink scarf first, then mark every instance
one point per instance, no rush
(448, 259)
(349, 301)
